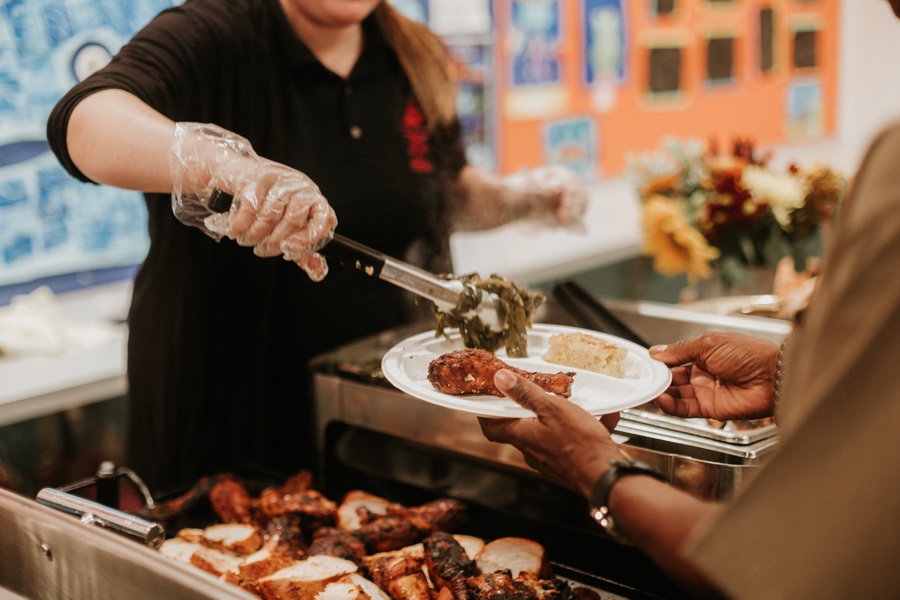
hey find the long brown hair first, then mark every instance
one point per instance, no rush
(427, 62)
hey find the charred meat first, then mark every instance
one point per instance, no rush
(332, 541)
(446, 560)
(407, 551)
(316, 510)
(496, 586)
(283, 536)
(402, 577)
(471, 371)
(443, 514)
(392, 532)
(232, 502)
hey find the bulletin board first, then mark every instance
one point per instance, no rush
(584, 83)
(50, 223)
(587, 83)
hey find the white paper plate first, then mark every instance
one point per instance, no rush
(406, 366)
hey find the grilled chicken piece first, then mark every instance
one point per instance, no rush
(337, 542)
(444, 514)
(584, 593)
(471, 371)
(496, 586)
(359, 507)
(501, 585)
(402, 577)
(284, 537)
(404, 526)
(552, 588)
(315, 509)
(255, 567)
(231, 501)
(393, 532)
(446, 560)
(299, 482)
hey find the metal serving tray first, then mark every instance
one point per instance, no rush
(730, 432)
(649, 323)
(350, 390)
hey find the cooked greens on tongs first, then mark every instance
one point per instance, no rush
(491, 313)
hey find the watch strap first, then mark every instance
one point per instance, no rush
(599, 500)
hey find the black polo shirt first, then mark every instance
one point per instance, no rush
(219, 338)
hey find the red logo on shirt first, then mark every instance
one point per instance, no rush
(417, 139)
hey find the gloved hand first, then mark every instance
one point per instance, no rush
(554, 190)
(276, 210)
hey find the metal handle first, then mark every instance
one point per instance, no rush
(343, 250)
(354, 255)
(590, 312)
(371, 262)
(151, 534)
(219, 201)
(107, 484)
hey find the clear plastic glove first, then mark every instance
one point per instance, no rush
(553, 190)
(276, 210)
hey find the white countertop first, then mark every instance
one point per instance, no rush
(32, 386)
(36, 385)
(528, 253)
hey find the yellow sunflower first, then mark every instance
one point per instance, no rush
(675, 246)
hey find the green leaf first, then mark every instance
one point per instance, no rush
(732, 273)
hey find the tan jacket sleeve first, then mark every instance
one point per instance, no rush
(822, 517)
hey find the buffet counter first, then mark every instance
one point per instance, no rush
(528, 252)
(35, 385)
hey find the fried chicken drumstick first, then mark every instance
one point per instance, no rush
(471, 371)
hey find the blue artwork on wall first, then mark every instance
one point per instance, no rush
(51, 224)
(605, 41)
(536, 35)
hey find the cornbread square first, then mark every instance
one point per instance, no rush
(587, 352)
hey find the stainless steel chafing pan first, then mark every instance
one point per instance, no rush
(649, 323)
(351, 390)
(47, 554)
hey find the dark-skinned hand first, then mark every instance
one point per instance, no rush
(719, 376)
(563, 441)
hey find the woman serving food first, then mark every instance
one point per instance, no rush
(317, 116)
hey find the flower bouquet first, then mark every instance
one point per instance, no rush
(706, 212)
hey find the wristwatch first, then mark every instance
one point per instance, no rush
(599, 500)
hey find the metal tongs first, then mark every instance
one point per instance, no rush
(444, 293)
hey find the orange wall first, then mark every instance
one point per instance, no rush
(753, 105)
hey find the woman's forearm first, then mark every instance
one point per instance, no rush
(115, 139)
(481, 201)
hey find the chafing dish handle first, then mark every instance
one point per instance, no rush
(151, 534)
